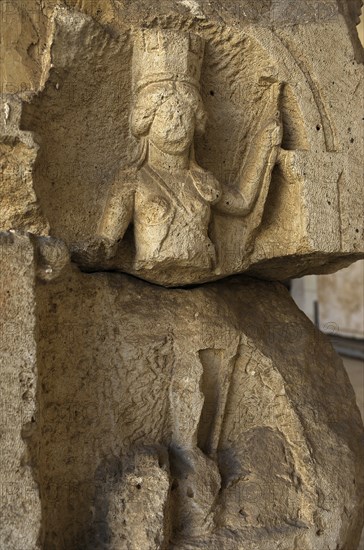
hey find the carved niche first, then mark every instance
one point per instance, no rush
(169, 198)
(183, 152)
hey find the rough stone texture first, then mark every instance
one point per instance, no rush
(199, 140)
(20, 511)
(19, 205)
(80, 118)
(214, 417)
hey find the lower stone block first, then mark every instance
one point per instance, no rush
(214, 417)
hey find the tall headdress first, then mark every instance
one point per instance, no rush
(165, 55)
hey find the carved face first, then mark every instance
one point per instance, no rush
(169, 113)
(173, 127)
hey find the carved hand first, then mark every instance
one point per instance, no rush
(272, 133)
(96, 250)
(262, 156)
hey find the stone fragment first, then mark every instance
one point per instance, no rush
(266, 153)
(223, 402)
(179, 142)
(19, 206)
(138, 514)
(20, 508)
(51, 257)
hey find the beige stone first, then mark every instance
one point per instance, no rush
(20, 510)
(213, 417)
(181, 142)
(19, 207)
(267, 153)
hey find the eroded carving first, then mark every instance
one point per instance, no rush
(164, 215)
(185, 418)
(170, 198)
(221, 433)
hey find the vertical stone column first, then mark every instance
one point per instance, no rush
(20, 511)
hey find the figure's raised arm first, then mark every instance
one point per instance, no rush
(261, 157)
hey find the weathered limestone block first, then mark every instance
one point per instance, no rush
(212, 140)
(19, 207)
(20, 511)
(137, 504)
(180, 141)
(212, 417)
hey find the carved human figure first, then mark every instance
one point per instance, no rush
(169, 198)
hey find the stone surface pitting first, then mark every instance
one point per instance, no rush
(20, 509)
(200, 141)
(213, 417)
(271, 186)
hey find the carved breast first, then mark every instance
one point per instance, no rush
(154, 209)
(171, 221)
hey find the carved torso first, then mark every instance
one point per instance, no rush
(171, 221)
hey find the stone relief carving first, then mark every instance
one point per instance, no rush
(256, 133)
(189, 435)
(177, 418)
(173, 198)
